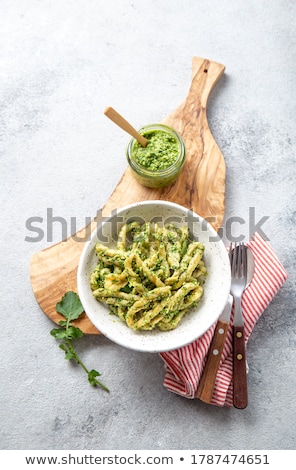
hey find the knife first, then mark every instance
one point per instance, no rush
(240, 390)
(207, 382)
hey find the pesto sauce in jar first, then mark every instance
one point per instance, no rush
(159, 163)
(160, 153)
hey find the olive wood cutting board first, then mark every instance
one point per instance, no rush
(200, 187)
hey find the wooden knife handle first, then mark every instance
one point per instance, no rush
(240, 388)
(207, 382)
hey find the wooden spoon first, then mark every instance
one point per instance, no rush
(126, 126)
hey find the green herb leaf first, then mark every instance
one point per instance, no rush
(92, 374)
(58, 333)
(73, 332)
(69, 352)
(70, 306)
(127, 289)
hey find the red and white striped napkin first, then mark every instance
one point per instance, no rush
(184, 366)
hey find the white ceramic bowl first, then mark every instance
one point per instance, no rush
(196, 322)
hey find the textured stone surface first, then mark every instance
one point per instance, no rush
(62, 63)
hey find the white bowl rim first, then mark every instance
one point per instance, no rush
(148, 341)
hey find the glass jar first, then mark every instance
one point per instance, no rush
(161, 161)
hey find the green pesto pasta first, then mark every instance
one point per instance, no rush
(152, 278)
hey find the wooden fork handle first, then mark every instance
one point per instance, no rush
(207, 382)
(240, 388)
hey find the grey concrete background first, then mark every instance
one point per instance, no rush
(62, 63)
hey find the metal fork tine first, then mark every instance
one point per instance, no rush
(237, 260)
(242, 260)
(233, 259)
(245, 263)
(240, 265)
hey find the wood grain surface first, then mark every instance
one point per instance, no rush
(200, 187)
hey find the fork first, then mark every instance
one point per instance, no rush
(238, 262)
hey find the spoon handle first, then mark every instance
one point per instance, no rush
(126, 126)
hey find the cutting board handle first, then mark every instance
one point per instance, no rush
(207, 74)
(201, 186)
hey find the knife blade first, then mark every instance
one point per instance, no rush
(207, 382)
